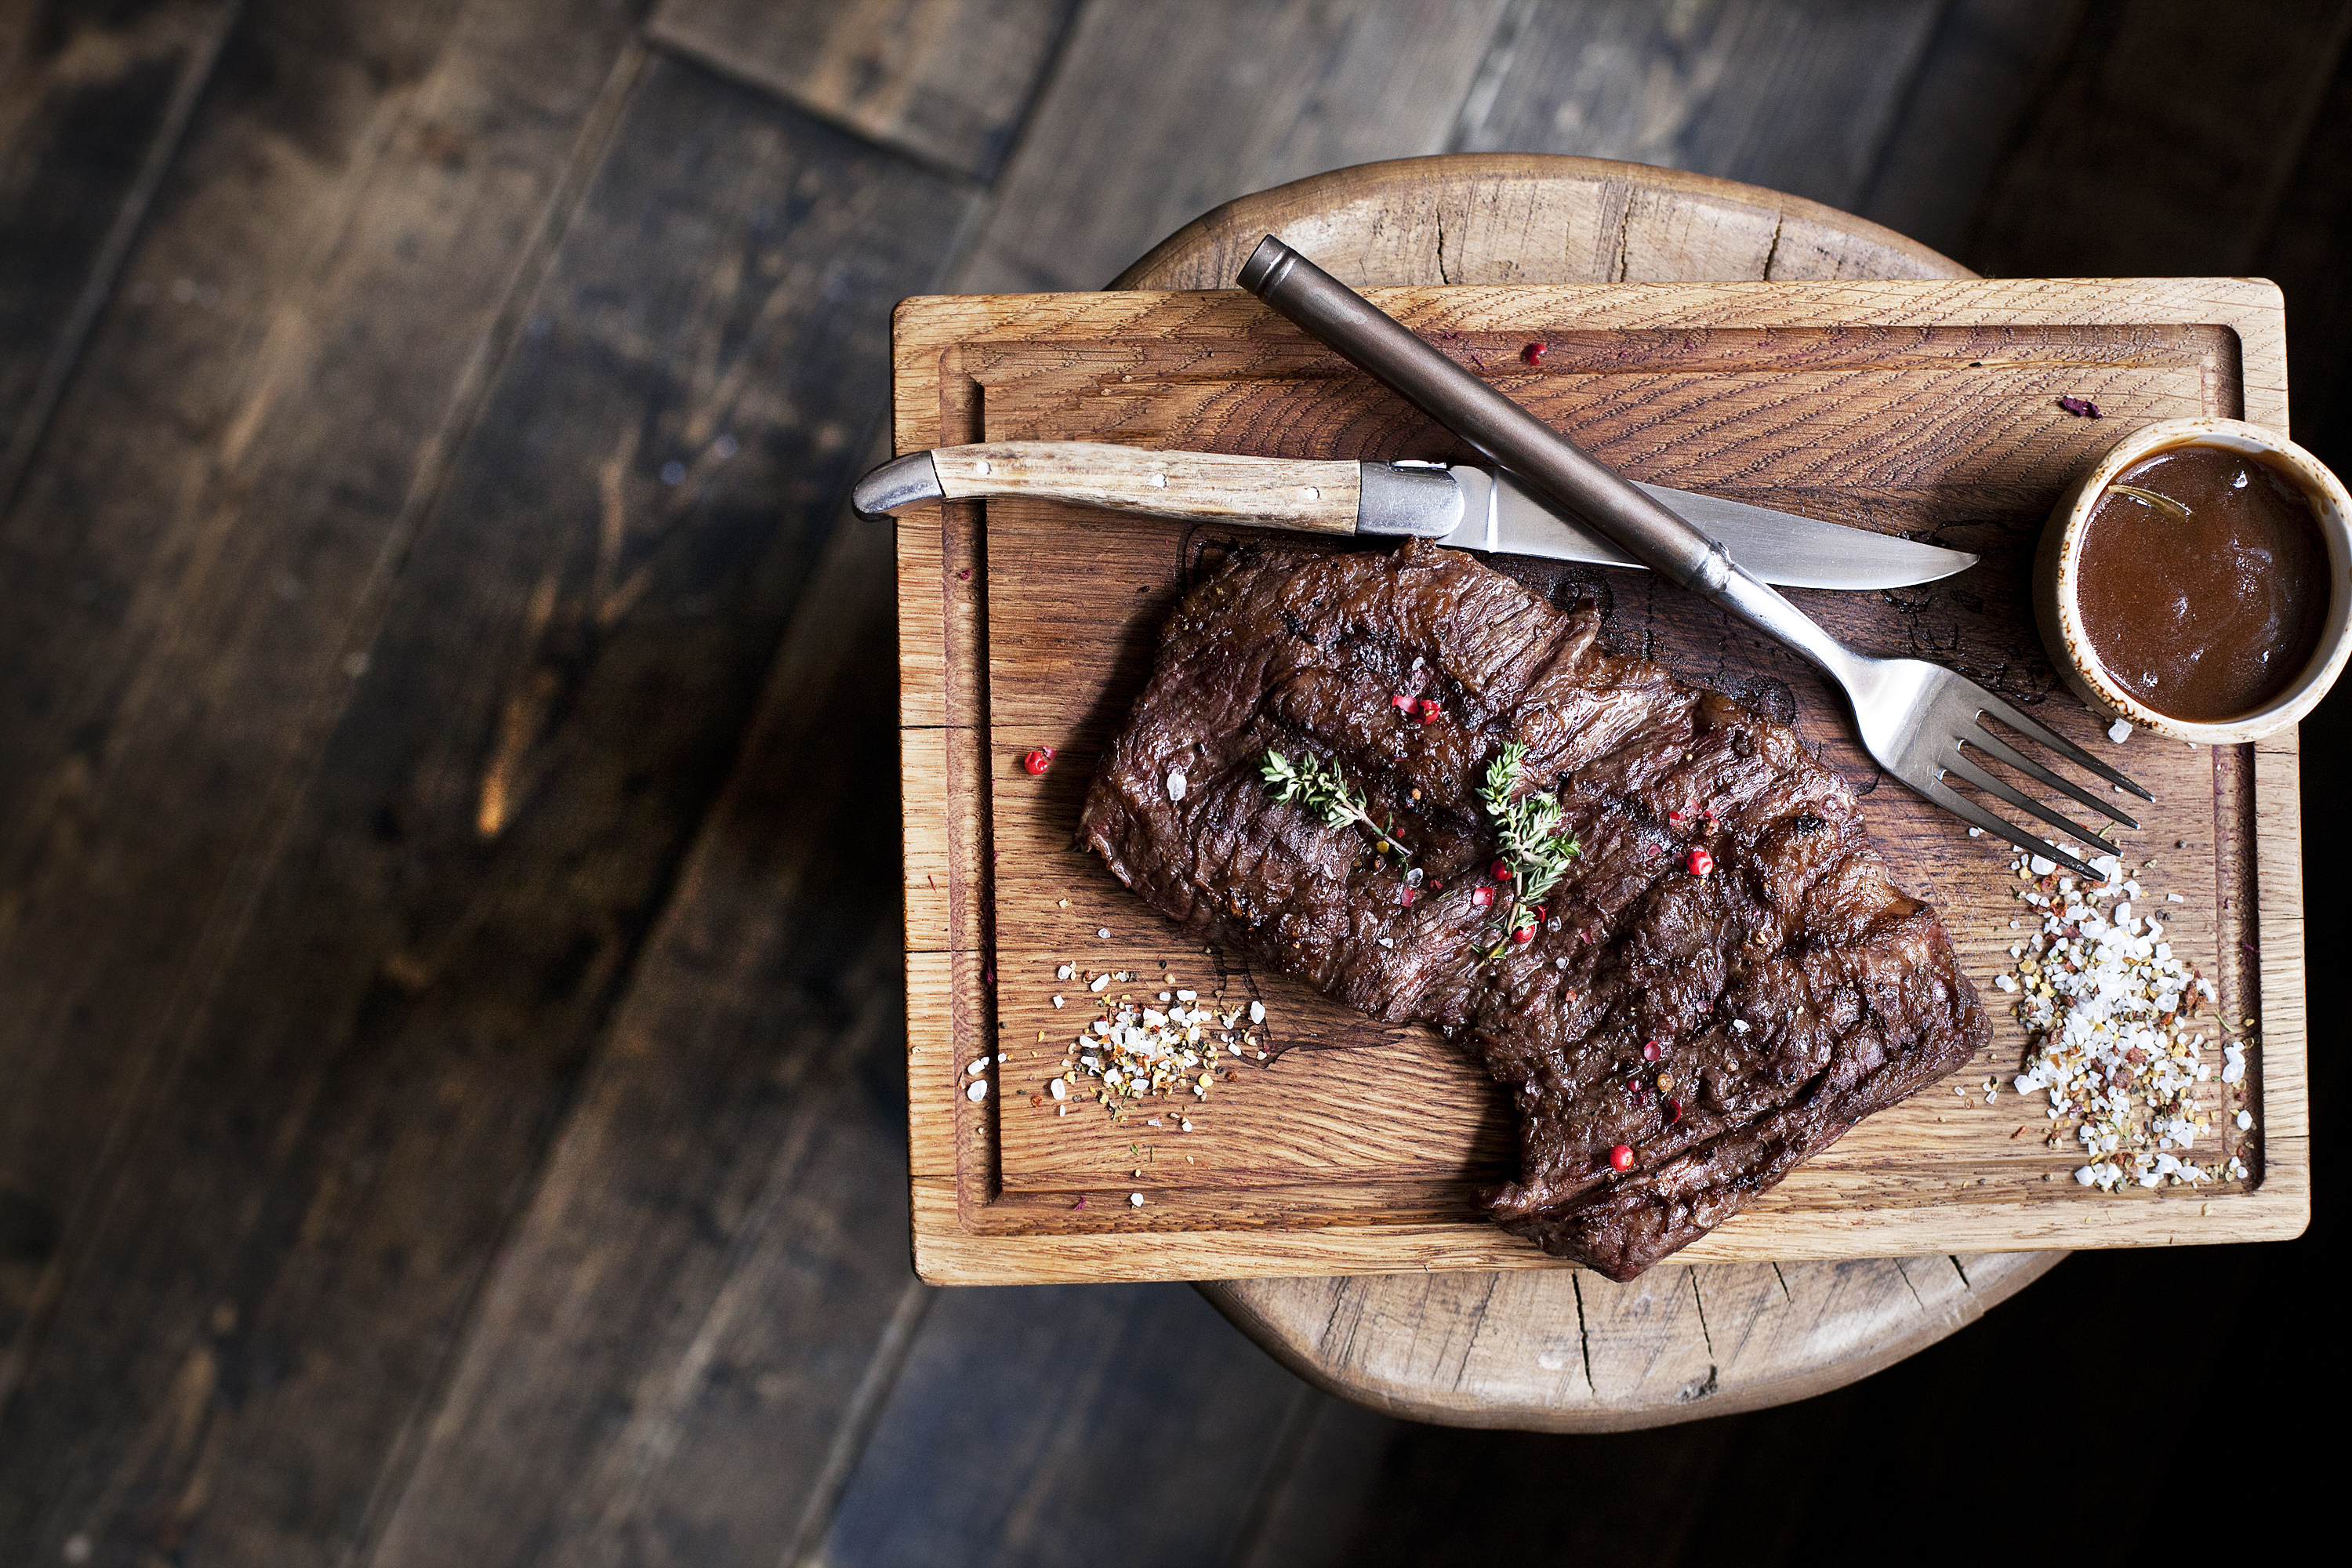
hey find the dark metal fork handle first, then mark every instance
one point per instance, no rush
(1538, 456)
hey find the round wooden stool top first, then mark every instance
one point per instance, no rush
(1565, 1350)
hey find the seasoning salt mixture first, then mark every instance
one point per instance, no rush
(2120, 1033)
(1170, 1042)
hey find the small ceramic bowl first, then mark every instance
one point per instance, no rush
(2061, 617)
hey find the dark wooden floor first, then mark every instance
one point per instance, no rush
(449, 1079)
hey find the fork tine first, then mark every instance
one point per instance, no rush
(1985, 741)
(2024, 803)
(1961, 806)
(2055, 741)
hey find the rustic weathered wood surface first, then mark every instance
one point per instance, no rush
(1926, 406)
(1515, 217)
(370, 1183)
(1568, 1351)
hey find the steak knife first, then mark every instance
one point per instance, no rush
(1462, 505)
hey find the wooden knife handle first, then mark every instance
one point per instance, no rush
(1203, 486)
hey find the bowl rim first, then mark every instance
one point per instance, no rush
(2073, 514)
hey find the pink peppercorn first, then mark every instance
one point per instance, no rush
(1039, 760)
(1700, 863)
(1650, 1051)
(1621, 1158)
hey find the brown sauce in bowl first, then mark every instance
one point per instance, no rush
(2204, 595)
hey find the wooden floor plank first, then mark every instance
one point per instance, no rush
(1370, 1490)
(1755, 1506)
(179, 574)
(2163, 145)
(185, 569)
(680, 1325)
(1158, 112)
(1072, 1424)
(1794, 96)
(1328, 1473)
(92, 106)
(562, 680)
(1786, 1493)
(1976, 84)
(946, 80)
(2303, 250)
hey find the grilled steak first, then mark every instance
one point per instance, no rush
(1721, 1027)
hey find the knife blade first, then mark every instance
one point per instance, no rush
(1783, 548)
(1462, 505)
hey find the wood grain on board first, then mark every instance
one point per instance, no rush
(1928, 408)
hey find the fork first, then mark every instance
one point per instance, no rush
(1917, 720)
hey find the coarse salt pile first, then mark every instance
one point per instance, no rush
(2111, 1012)
(1167, 1043)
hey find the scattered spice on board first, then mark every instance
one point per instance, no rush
(2081, 407)
(1166, 1042)
(2117, 1035)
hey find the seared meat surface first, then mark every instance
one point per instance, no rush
(1721, 1027)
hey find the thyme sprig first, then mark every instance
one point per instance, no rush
(1322, 787)
(1529, 830)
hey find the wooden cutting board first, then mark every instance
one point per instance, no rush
(1928, 408)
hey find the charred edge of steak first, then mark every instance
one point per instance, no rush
(1788, 994)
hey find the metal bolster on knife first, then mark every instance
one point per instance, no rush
(1416, 498)
(903, 482)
